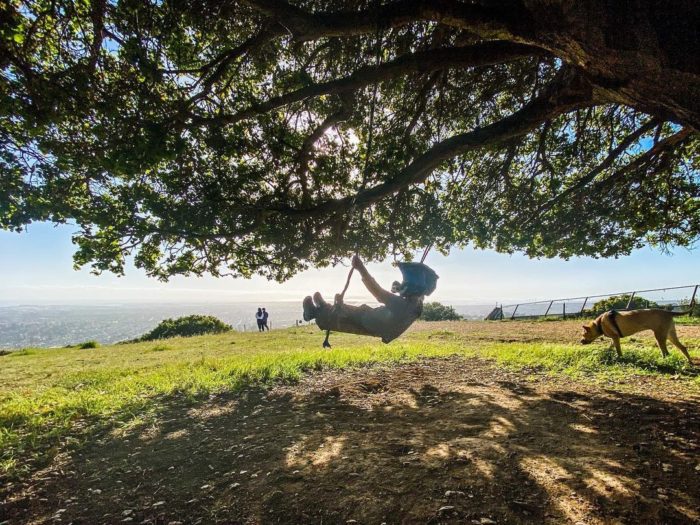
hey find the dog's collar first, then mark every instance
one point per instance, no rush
(611, 316)
(598, 323)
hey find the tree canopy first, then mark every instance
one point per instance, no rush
(260, 136)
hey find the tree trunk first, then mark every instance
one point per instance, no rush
(643, 54)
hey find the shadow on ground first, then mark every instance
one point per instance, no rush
(441, 441)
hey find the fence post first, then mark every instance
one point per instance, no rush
(550, 305)
(563, 310)
(692, 301)
(629, 303)
(583, 306)
(514, 310)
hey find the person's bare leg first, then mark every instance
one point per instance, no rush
(343, 318)
(315, 306)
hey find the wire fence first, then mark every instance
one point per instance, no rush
(676, 298)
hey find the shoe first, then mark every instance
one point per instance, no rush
(319, 300)
(309, 309)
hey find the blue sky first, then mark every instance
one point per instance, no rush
(36, 268)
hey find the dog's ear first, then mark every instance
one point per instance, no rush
(586, 327)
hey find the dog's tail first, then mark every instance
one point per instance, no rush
(678, 314)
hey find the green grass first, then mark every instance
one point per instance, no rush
(45, 393)
(52, 397)
(687, 320)
(593, 362)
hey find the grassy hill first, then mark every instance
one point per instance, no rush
(50, 398)
(267, 426)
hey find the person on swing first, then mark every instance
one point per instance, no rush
(400, 308)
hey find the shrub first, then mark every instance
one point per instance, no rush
(187, 326)
(618, 302)
(439, 312)
(23, 351)
(89, 344)
(685, 305)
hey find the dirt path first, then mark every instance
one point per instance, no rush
(440, 441)
(536, 331)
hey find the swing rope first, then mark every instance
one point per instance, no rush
(336, 304)
(425, 252)
(338, 301)
(368, 153)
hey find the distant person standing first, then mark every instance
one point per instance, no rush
(264, 320)
(259, 318)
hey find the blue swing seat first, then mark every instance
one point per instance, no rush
(418, 279)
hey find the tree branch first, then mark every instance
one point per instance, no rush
(97, 15)
(567, 93)
(487, 53)
(306, 150)
(660, 148)
(421, 103)
(490, 22)
(624, 144)
(221, 63)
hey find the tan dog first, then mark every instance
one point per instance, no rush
(615, 325)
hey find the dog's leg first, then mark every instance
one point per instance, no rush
(661, 341)
(616, 344)
(674, 339)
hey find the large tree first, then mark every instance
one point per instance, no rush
(263, 136)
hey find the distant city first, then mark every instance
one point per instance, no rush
(61, 325)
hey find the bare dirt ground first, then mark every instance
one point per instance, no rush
(545, 331)
(436, 441)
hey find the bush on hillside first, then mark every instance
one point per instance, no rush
(439, 312)
(89, 344)
(187, 326)
(685, 305)
(619, 302)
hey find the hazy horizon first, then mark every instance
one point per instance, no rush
(36, 268)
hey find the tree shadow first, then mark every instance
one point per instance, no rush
(417, 444)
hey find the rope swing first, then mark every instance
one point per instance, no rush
(417, 278)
